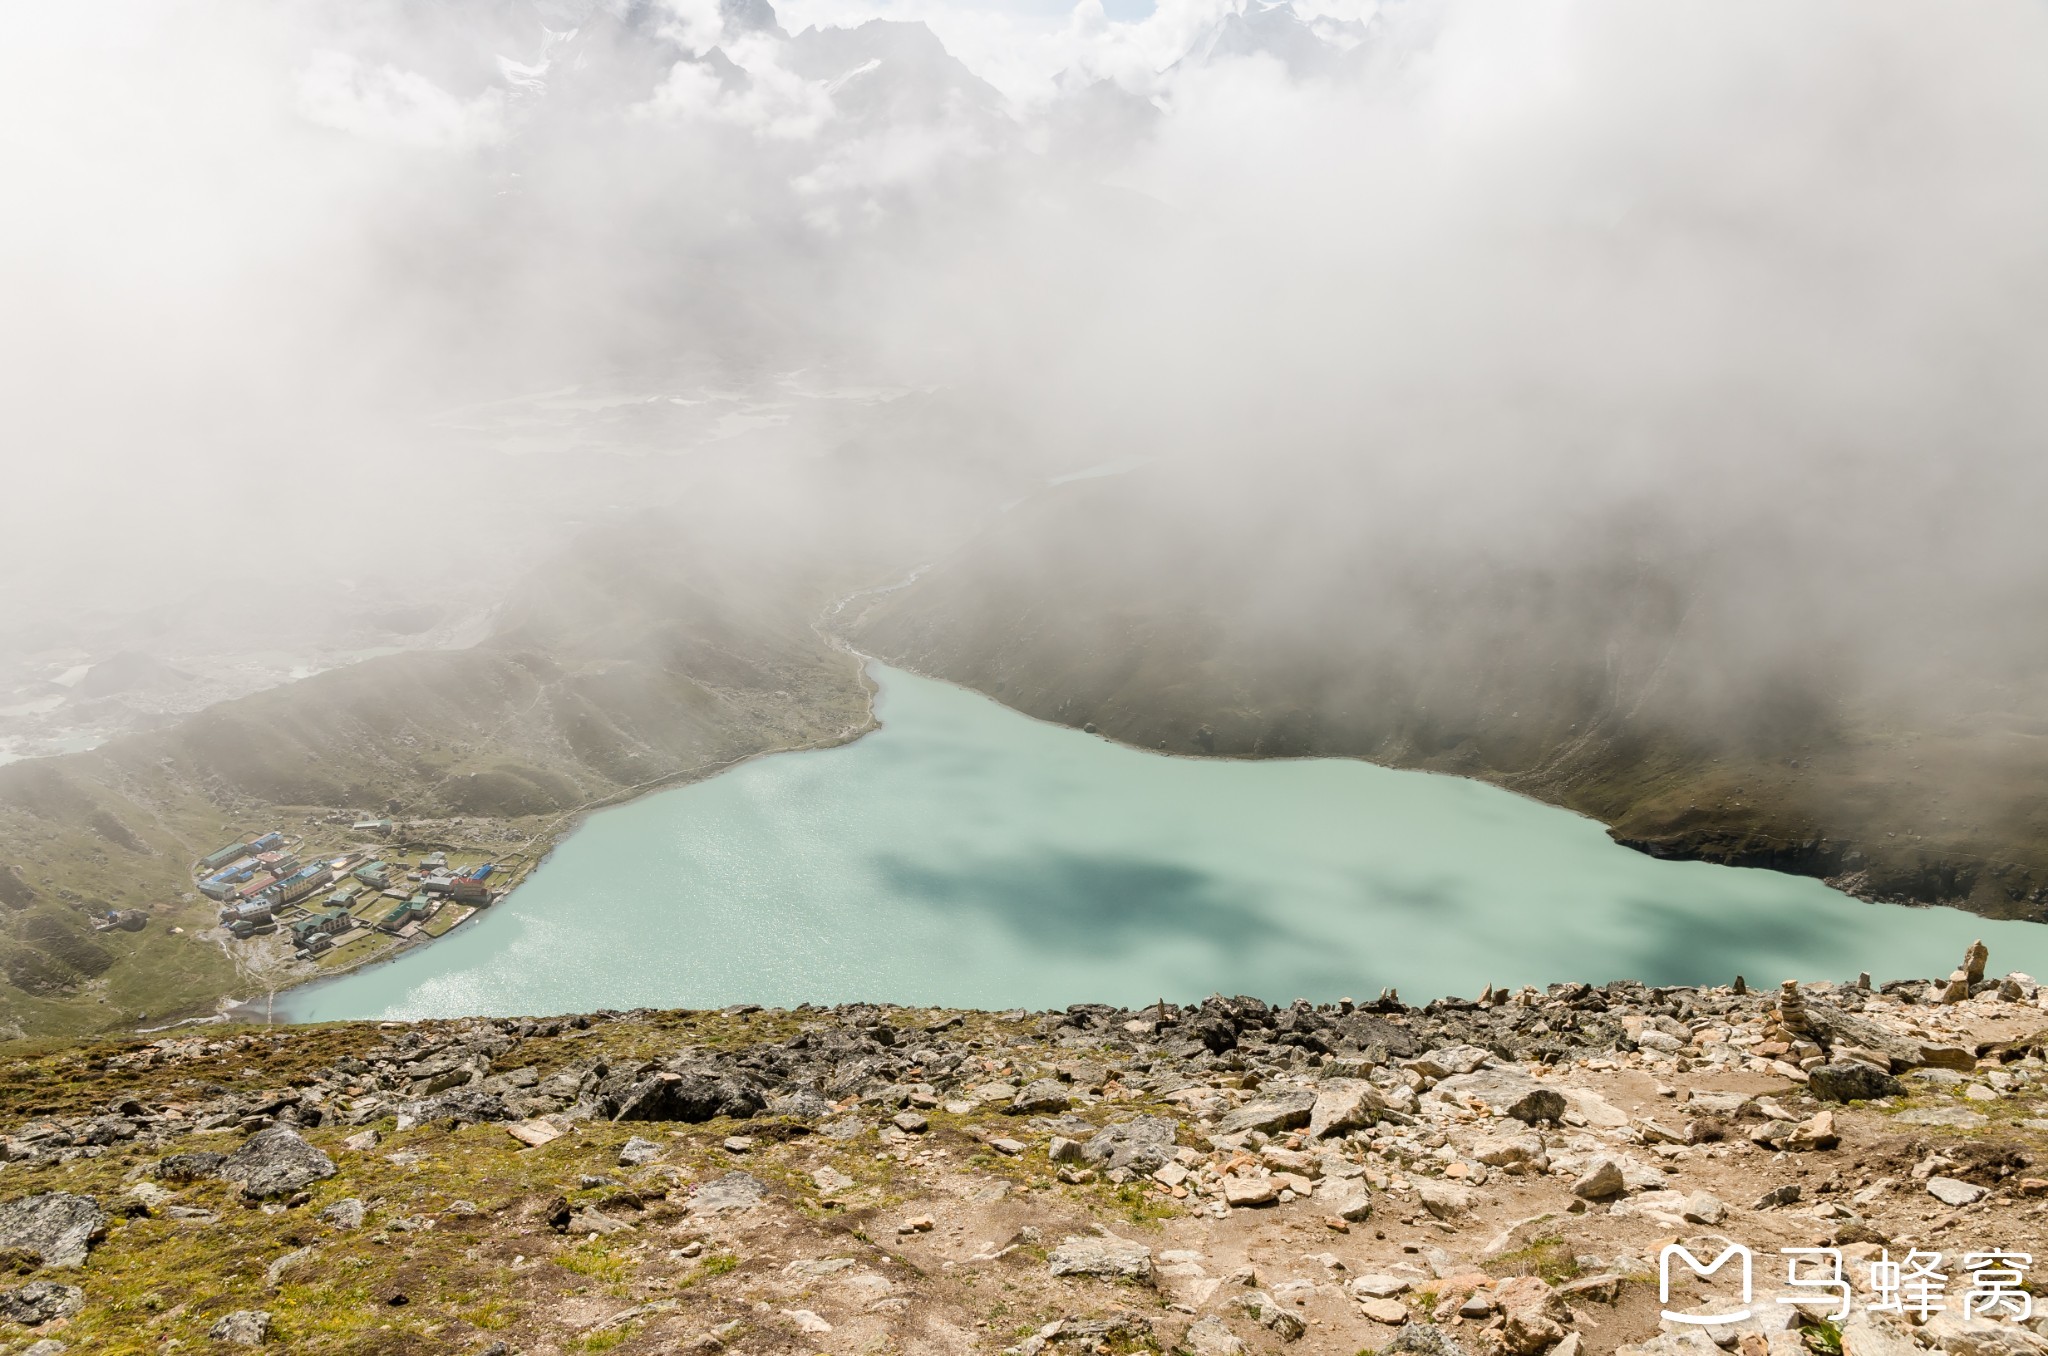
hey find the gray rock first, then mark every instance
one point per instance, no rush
(734, 1191)
(1849, 1081)
(1348, 1200)
(275, 1273)
(1778, 1195)
(583, 1223)
(1423, 1339)
(1272, 1314)
(1142, 1146)
(1444, 1200)
(692, 1096)
(1064, 1150)
(1514, 1149)
(1285, 1111)
(1839, 1027)
(1601, 1180)
(637, 1151)
(1378, 1285)
(1039, 1097)
(1108, 1258)
(459, 1106)
(243, 1327)
(56, 1227)
(1246, 1190)
(1344, 1104)
(39, 1302)
(1448, 1061)
(1962, 1118)
(802, 1105)
(1208, 1337)
(276, 1162)
(1949, 1191)
(187, 1167)
(1864, 1335)
(1959, 1336)
(1096, 1334)
(1702, 1207)
(344, 1214)
(49, 1346)
(1505, 1093)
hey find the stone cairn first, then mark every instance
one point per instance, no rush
(1792, 1011)
(1969, 973)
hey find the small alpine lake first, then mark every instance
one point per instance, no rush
(966, 855)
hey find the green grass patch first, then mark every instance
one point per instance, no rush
(597, 1260)
(1822, 1337)
(1548, 1257)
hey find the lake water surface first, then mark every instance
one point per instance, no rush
(967, 855)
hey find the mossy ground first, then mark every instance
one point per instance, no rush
(457, 1245)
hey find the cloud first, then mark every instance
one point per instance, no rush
(387, 104)
(1497, 272)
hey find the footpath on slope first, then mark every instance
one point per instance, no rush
(1502, 1176)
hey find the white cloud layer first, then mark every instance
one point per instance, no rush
(1583, 254)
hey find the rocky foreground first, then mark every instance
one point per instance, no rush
(1473, 1178)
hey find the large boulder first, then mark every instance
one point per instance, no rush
(55, 1226)
(1144, 1145)
(40, 1302)
(1849, 1081)
(1448, 1060)
(1040, 1097)
(691, 1096)
(1282, 1111)
(276, 1162)
(1834, 1027)
(457, 1106)
(1533, 1317)
(1446, 1200)
(1601, 1179)
(1517, 1151)
(1506, 1094)
(1344, 1104)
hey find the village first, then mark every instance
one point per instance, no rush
(339, 905)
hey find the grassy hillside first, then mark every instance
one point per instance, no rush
(635, 665)
(671, 641)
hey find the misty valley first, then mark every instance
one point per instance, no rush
(1546, 479)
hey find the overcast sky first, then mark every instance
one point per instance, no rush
(1775, 268)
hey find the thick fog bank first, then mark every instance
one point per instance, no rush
(308, 301)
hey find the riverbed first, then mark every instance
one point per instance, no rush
(966, 855)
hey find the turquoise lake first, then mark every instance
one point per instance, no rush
(966, 855)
